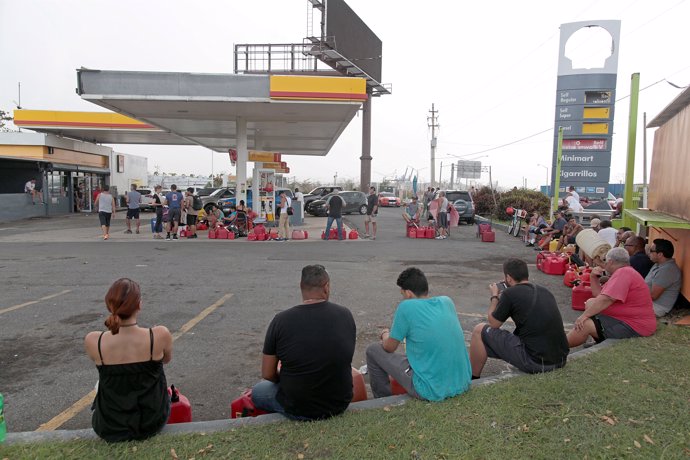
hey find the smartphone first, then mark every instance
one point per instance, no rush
(502, 286)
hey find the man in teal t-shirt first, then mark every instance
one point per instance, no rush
(437, 365)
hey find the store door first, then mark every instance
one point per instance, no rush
(87, 189)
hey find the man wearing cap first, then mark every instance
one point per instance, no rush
(594, 224)
(664, 278)
(621, 309)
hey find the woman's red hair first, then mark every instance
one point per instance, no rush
(122, 299)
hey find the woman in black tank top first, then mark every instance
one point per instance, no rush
(132, 400)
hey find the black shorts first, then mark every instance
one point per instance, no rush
(191, 219)
(104, 218)
(132, 213)
(174, 215)
(507, 346)
(609, 327)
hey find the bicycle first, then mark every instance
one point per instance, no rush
(516, 224)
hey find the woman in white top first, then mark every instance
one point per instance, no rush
(105, 203)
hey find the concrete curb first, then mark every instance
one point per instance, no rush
(213, 426)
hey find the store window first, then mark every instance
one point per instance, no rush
(55, 185)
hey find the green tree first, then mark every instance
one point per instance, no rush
(4, 118)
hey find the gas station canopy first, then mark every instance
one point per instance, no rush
(295, 115)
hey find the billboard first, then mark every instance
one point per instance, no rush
(469, 169)
(352, 38)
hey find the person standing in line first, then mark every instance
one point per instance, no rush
(334, 206)
(105, 203)
(133, 199)
(442, 216)
(299, 196)
(174, 200)
(284, 219)
(192, 214)
(372, 212)
(158, 206)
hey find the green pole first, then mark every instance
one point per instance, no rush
(557, 172)
(632, 137)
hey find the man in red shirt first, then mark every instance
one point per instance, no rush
(622, 308)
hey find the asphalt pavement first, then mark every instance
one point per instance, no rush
(55, 273)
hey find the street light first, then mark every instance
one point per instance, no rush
(547, 174)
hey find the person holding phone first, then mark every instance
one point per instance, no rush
(538, 343)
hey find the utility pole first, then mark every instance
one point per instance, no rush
(440, 175)
(452, 176)
(432, 121)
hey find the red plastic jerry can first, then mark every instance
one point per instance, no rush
(359, 390)
(353, 234)
(231, 235)
(333, 234)
(411, 232)
(396, 388)
(244, 407)
(221, 233)
(212, 234)
(251, 237)
(488, 236)
(306, 234)
(570, 277)
(180, 408)
(430, 233)
(421, 232)
(555, 264)
(581, 294)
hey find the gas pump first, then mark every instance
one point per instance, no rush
(263, 200)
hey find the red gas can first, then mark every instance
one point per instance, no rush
(396, 388)
(244, 407)
(430, 233)
(333, 235)
(353, 234)
(488, 236)
(555, 264)
(259, 229)
(581, 294)
(180, 408)
(420, 232)
(222, 233)
(359, 389)
(411, 232)
(212, 234)
(251, 237)
(298, 234)
(231, 235)
(570, 277)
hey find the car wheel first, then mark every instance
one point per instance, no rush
(363, 209)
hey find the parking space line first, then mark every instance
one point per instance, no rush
(86, 400)
(26, 304)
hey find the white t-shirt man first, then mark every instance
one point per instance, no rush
(299, 196)
(575, 194)
(29, 187)
(573, 203)
(609, 234)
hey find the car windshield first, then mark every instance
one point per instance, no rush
(220, 192)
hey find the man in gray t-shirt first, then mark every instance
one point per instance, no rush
(133, 199)
(664, 278)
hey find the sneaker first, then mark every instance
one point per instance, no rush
(129, 232)
(194, 236)
(167, 237)
(538, 248)
(373, 237)
(438, 237)
(529, 245)
(174, 237)
(366, 235)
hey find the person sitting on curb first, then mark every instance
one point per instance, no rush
(436, 365)
(536, 224)
(554, 231)
(538, 344)
(412, 212)
(307, 355)
(639, 260)
(570, 232)
(664, 278)
(132, 399)
(621, 309)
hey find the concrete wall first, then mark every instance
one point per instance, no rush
(17, 206)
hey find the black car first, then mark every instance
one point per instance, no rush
(463, 203)
(319, 193)
(354, 202)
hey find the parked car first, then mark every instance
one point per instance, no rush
(463, 203)
(146, 199)
(206, 191)
(318, 193)
(225, 203)
(215, 197)
(389, 199)
(354, 202)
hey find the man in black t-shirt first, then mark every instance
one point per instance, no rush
(314, 343)
(538, 344)
(372, 212)
(334, 205)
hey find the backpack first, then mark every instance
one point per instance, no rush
(197, 205)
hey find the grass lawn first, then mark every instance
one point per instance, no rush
(631, 400)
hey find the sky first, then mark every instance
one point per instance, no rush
(489, 68)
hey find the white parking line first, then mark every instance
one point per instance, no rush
(26, 304)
